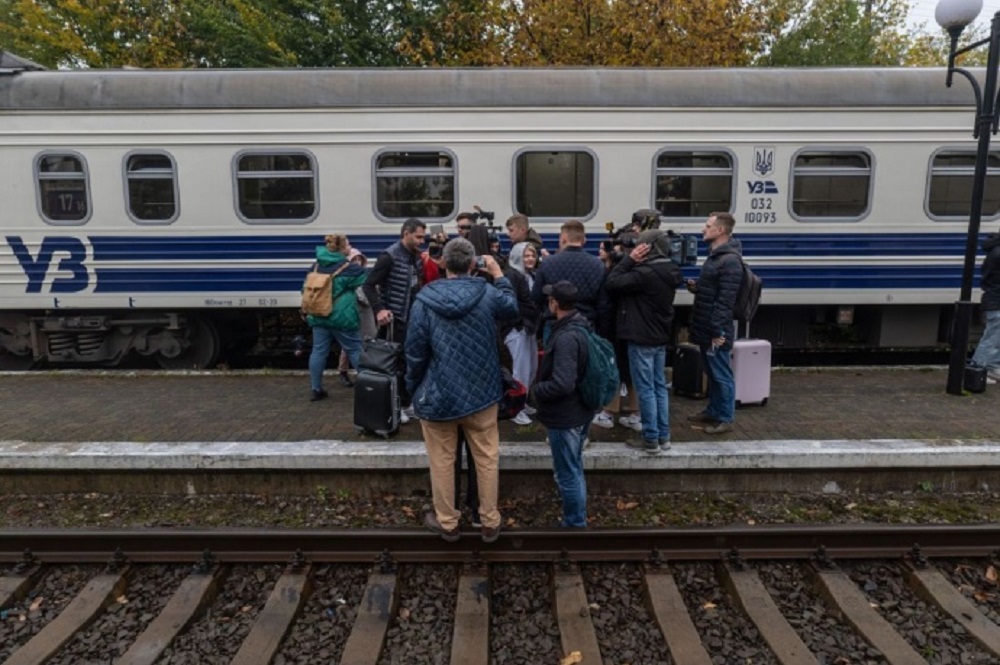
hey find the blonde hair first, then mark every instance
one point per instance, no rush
(336, 242)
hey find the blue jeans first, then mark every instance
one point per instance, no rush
(646, 364)
(988, 351)
(349, 340)
(721, 385)
(567, 463)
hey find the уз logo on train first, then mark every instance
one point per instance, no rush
(763, 161)
(63, 256)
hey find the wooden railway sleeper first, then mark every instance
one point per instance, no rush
(932, 586)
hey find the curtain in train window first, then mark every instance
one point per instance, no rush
(831, 185)
(950, 193)
(62, 189)
(415, 184)
(276, 187)
(693, 184)
(555, 184)
(151, 188)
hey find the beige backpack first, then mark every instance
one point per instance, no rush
(317, 291)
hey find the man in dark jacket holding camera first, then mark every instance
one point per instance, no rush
(644, 283)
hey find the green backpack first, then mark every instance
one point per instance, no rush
(600, 381)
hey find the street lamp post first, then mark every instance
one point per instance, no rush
(954, 16)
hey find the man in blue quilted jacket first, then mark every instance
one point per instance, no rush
(713, 329)
(453, 373)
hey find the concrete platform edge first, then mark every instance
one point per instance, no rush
(368, 456)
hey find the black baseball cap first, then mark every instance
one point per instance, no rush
(562, 292)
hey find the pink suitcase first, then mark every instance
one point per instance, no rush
(752, 371)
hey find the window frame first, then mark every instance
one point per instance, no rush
(174, 179)
(595, 203)
(837, 150)
(707, 149)
(279, 151)
(411, 149)
(930, 175)
(84, 175)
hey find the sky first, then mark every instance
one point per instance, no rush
(922, 11)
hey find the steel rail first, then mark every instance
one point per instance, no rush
(171, 545)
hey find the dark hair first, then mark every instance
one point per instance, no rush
(479, 236)
(411, 225)
(465, 215)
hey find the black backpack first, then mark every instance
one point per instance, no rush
(748, 297)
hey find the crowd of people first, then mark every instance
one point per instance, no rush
(461, 309)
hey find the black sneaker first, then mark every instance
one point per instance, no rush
(651, 447)
(702, 417)
(317, 395)
(431, 522)
(664, 445)
(345, 380)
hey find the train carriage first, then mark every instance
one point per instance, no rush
(171, 212)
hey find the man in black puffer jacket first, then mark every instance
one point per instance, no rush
(988, 351)
(645, 283)
(712, 328)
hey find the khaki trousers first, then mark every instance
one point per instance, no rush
(441, 439)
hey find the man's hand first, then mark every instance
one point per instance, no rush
(492, 267)
(640, 252)
(384, 317)
(692, 286)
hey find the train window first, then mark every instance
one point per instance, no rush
(276, 187)
(693, 184)
(63, 190)
(151, 188)
(555, 183)
(415, 184)
(949, 193)
(829, 185)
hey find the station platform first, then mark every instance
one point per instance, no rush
(832, 430)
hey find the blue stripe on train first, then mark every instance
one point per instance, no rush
(250, 280)
(235, 247)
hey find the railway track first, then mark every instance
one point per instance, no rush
(788, 595)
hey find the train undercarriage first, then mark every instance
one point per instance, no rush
(195, 340)
(176, 340)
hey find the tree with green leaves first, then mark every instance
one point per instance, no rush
(840, 33)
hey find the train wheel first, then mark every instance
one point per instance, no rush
(200, 347)
(12, 362)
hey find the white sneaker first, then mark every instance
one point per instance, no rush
(521, 419)
(994, 374)
(530, 410)
(633, 422)
(403, 418)
(604, 419)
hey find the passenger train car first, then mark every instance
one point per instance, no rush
(172, 212)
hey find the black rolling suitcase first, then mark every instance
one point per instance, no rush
(376, 390)
(376, 402)
(689, 378)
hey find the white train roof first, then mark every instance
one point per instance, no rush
(541, 87)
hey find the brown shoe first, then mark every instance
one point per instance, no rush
(702, 417)
(719, 428)
(431, 522)
(490, 534)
